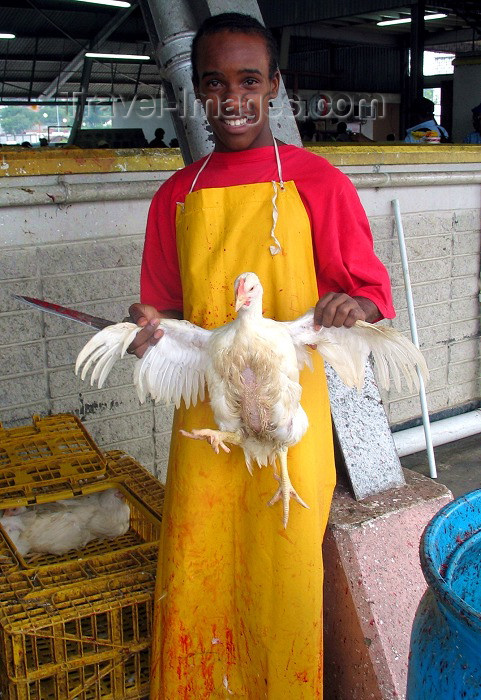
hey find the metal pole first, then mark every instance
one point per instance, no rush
(171, 27)
(414, 336)
(82, 99)
(416, 82)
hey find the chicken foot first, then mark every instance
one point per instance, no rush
(286, 491)
(215, 438)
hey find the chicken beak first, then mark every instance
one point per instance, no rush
(241, 296)
(240, 301)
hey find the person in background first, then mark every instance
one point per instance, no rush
(390, 137)
(475, 136)
(307, 129)
(42, 142)
(342, 133)
(158, 140)
(26, 144)
(425, 129)
(174, 143)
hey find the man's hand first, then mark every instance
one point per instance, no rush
(148, 318)
(339, 309)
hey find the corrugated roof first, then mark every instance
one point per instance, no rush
(51, 33)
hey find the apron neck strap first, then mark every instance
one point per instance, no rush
(200, 170)
(278, 161)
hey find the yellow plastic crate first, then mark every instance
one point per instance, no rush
(129, 552)
(83, 642)
(144, 529)
(55, 453)
(78, 626)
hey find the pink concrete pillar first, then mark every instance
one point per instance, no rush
(373, 584)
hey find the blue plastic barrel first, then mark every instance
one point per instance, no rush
(445, 654)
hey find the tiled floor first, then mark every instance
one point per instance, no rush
(458, 464)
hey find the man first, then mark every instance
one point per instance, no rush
(425, 129)
(475, 136)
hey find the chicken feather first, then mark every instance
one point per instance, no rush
(251, 369)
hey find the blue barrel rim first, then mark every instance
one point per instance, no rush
(431, 572)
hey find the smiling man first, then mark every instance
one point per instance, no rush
(239, 599)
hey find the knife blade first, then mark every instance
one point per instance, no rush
(72, 314)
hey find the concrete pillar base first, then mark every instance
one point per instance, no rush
(373, 584)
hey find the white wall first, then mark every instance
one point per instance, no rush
(87, 254)
(145, 113)
(466, 95)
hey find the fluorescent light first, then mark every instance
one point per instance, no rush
(118, 56)
(111, 3)
(440, 15)
(406, 20)
(387, 22)
(7, 36)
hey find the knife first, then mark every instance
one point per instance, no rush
(72, 314)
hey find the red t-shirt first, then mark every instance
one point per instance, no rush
(343, 250)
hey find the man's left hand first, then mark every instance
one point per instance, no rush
(339, 309)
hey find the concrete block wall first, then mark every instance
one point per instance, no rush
(443, 249)
(93, 271)
(87, 256)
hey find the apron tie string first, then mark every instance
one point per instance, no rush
(275, 249)
(275, 215)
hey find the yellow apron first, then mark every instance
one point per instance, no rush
(238, 605)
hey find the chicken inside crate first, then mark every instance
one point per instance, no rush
(103, 522)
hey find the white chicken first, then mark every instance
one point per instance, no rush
(251, 369)
(57, 527)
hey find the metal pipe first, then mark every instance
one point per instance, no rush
(414, 336)
(171, 28)
(442, 431)
(84, 86)
(61, 192)
(415, 179)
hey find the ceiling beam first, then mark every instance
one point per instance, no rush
(28, 57)
(48, 58)
(24, 79)
(57, 6)
(345, 35)
(97, 80)
(451, 36)
(283, 12)
(96, 43)
(48, 36)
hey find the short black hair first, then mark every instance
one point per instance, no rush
(422, 108)
(237, 23)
